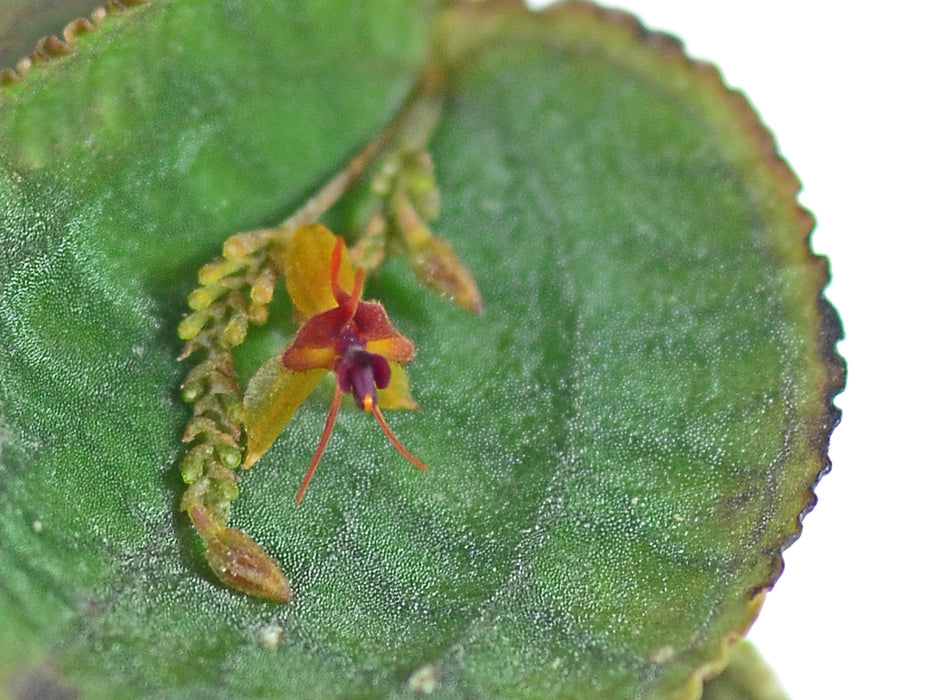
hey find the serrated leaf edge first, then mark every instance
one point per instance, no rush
(781, 179)
(52, 47)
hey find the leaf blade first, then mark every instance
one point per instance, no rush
(527, 558)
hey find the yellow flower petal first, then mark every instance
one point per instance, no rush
(272, 397)
(397, 395)
(307, 269)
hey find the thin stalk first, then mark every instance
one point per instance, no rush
(414, 125)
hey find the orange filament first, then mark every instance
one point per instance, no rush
(370, 406)
(325, 438)
(394, 440)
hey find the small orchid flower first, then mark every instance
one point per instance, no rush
(352, 338)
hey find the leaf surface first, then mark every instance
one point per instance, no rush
(620, 447)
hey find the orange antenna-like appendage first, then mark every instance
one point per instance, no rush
(394, 440)
(325, 438)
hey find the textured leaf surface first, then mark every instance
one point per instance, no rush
(619, 448)
(747, 677)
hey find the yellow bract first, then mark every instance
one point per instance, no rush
(271, 399)
(307, 269)
(397, 395)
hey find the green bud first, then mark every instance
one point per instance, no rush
(241, 246)
(192, 324)
(215, 271)
(227, 491)
(192, 390)
(192, 466)
(235, 332)
(264, 286)
(385, 178)
(258, 314)
(202, 297)
(228, 455)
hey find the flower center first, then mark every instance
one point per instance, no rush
(360, 372)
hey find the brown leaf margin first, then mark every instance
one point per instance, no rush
(578, 24)
(52, 47)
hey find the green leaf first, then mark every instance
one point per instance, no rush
(747, 677)
(620, 447)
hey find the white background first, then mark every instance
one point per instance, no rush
(847, 93)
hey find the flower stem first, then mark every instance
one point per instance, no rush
(415, 123)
